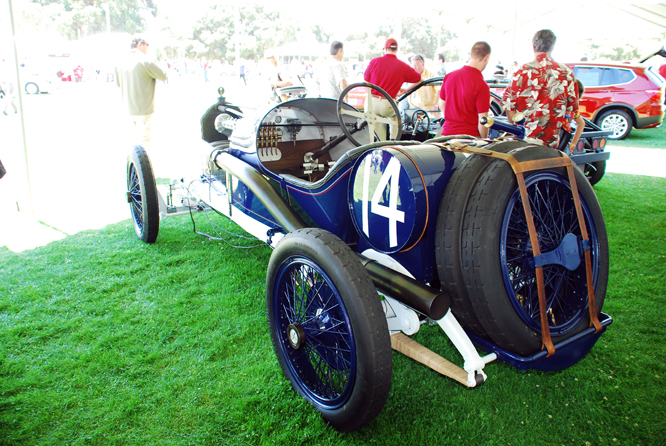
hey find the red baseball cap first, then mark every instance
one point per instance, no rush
(391, 44)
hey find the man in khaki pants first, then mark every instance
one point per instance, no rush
(389, 73)
(136, 76)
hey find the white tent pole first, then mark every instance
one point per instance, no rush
(513, 37)
(20, 96)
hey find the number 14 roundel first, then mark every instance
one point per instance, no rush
(388, 200)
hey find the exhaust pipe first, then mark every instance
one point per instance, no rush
(404, 289)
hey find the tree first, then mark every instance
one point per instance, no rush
(260, 28)
(421, 36)
(322, 35)
(79, 18)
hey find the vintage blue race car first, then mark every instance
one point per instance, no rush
(499, 242)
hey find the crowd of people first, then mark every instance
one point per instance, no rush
(544, 91)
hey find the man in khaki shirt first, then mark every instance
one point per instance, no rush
(136, 76)
(424, 98)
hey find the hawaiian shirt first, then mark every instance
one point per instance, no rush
(546, 93)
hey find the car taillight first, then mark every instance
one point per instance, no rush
(581, 145)
(595, 143)
(655, 95)
(602, 143)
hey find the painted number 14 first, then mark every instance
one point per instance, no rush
(391, 176)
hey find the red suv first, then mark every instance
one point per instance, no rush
(619, 97)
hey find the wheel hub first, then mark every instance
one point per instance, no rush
(295, 335)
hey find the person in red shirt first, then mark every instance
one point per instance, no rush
(465, 95)
(389, 73)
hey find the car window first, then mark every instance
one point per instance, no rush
(589, 76)
(600, 76)
(624, 76)
(607, 77)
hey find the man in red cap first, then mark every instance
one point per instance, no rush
(389, 73)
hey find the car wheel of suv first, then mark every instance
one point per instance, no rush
(616, 121)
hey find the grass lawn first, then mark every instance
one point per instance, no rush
(106, 340)
(646, 138)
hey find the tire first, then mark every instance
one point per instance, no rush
(616, 121)
(31, 88)
(498, 265)
(142, 195)
(318, 291)
(594, 172)
(448, 242)
(208, 131)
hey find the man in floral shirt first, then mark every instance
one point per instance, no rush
(544, 91)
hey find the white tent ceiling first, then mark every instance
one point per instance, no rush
(509, 26)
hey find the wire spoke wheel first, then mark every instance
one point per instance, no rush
(328, 327)
(554, 217)
(495, 229)
(142, 195)
(315, 332)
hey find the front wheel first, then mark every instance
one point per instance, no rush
(616, 121)
(142, 195)
(328, 328)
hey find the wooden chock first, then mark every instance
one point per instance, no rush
(420, 353)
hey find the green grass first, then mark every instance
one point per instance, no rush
(105, 340)
(646, 138)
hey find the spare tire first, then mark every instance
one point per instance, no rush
(498, 265)
(448, 245)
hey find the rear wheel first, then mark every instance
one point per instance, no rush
(616, 121)
(498, 264)
(328, 327)
(142, 195)
(594, 172)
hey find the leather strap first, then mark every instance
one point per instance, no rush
(519, 168)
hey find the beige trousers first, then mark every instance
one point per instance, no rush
(142, 129)
(382, 107)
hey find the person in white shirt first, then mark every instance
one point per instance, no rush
(333, 79)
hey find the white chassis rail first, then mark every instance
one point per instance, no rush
(214, 195)
(402, 319)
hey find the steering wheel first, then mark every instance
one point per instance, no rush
(367, 115)
(421, 121)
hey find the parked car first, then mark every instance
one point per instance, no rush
(373, 239)
(619, 97)
(35, 83)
